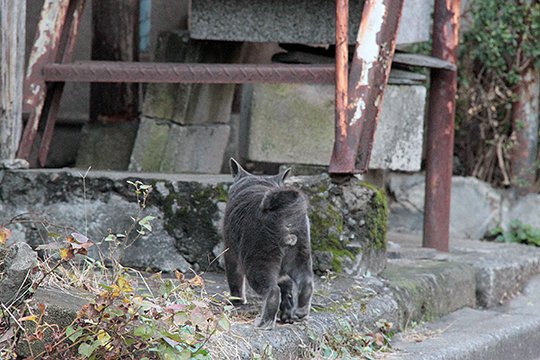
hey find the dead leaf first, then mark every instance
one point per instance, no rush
(5, 234)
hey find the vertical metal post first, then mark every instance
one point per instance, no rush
(370, 69)
(12, 36)
(342, 75)
(440, 130)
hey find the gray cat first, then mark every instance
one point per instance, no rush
(266, 233)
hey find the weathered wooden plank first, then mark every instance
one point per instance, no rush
(115, 38)
(12, 36)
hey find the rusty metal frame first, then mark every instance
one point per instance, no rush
(440, 129)
(341, 80)
(54, 44)
(358, 95)
(140, 72)
(370, 69)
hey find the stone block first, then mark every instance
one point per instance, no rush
(294, 123)
(150, 144)
(61, 306)
(16, 267)
(400, 132)
(163, 146)
(303, 21)
(524, 209)
(475, 206)
(348, 225)
(191, 103)
(195, 149)
(106, 146)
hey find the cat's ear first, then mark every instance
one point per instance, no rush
(237, 171)
(285, 174)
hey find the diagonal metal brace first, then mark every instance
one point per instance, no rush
(370, 69)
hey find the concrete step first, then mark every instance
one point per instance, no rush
(506, 332)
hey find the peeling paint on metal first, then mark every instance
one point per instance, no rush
(368, 49)
(46, 29)
(358, 112)
(34, 88)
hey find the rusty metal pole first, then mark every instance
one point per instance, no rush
(342, 75)
(440, 129)
(55, 90)
(44, 51)
(525, 126)
(370, 69)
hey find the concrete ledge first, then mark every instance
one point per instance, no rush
(501, 270)
(300, 21)
(421, 285)
(426, 290)
(511, 332)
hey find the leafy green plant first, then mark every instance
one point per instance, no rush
(130, 317)
(517, 233)
(122, 324)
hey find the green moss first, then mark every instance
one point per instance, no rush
(221, 193)
(154, 150)
(326, 230)
(190, 216)
(377, 217)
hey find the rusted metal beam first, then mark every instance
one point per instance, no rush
(440, 129)
(45, 49)
(370, 69)
(105, 71)
(55, 90)
(525, 126)
(342, 76)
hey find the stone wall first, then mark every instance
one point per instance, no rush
(348, 221)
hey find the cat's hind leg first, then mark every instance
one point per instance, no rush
(305, 292)
(235, 278)
(263, 278)
(288, 299)
(267, 318)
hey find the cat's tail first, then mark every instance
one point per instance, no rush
(281, 199)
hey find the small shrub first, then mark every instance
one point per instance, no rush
(517, 233)
(168, 319)
(502, 41)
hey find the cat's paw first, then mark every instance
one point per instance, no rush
(265, 324)
(301, 313)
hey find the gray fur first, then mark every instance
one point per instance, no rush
(266, 233)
